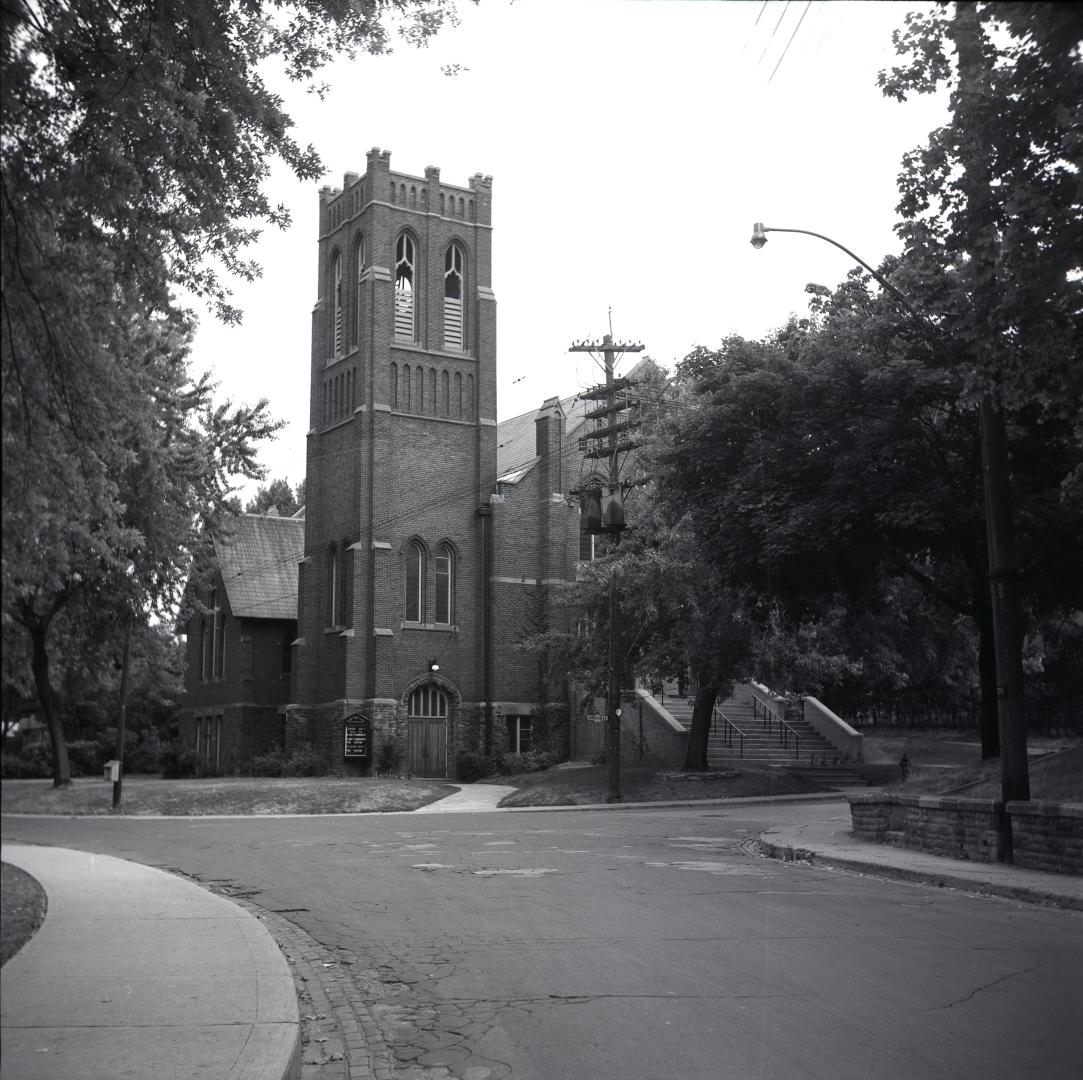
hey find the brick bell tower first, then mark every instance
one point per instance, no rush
(401, 464)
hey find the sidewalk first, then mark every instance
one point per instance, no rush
(136, 973)
(829, 843)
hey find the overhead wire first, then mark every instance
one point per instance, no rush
(790, 42)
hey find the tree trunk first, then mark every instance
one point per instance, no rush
(40, 667)
(695, 759)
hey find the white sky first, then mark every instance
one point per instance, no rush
(632, 145)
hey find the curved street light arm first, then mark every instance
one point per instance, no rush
(759, 239)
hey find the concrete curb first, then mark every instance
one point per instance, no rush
(919, 876)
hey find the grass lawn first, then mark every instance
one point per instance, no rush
(1055, 778)
(22, 909)
(249, 795)
(940, 762)
(579, 786)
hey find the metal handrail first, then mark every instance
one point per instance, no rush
(729, 727)
(785, 729)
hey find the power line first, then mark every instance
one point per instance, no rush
(790, 42)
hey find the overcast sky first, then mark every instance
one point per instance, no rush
(632, 145)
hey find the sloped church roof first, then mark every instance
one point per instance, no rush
(259, 565)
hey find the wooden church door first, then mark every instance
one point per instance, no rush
(426, 732)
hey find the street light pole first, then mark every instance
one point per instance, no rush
(1003, 578)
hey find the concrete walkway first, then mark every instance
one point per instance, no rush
(470, 799)
(139, 974)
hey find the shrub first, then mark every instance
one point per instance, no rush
(531, 761)
(388, 758)
(470, 766)
(86, 757)
(303, 761)
(178, 762)
(32, 763)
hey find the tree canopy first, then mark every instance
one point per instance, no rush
(133, 143)
(993, 199)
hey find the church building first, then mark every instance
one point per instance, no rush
(434, 538)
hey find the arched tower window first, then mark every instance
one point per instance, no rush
(453, 298)
(405, 280)
(332, 587)
(216, 664)
(204, 666)
(336, 301)
(415, 583)
(445, 581)
(360, 259)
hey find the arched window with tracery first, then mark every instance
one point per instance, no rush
(360, 260)
(204, 651)
(453, 298)
(332, 587)
(336, 302)
(405, 283)
(428, 701)
(445, 584)
(414, 596)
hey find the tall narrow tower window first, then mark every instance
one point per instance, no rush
(415, 577)
(360, 262)
(444, 583)
(332, 587)
(453, 298)
(336, 300)
(404, 289)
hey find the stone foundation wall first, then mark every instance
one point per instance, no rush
(1045, 836)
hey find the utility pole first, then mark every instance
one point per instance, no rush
(975, 182)
(604, 513)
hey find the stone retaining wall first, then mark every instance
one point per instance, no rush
(1045, 836)
(1048, 836)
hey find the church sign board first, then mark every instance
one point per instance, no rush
(358, 736)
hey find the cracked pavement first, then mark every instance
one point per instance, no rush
(632, 944)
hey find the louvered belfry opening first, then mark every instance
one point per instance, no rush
(453, 298)
(404, 289)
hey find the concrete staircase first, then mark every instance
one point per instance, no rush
(747, 740)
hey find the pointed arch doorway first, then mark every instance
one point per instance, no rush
(426, 731)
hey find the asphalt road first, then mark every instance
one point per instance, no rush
(639, 944)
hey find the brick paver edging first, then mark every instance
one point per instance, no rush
(340, 1039)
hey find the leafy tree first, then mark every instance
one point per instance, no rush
(133, 142)
(993, 199)
(825, 465)
(279, 495)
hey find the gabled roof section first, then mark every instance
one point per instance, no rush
(259, 566)
(516, 440)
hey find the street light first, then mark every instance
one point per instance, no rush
(1003, 584)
